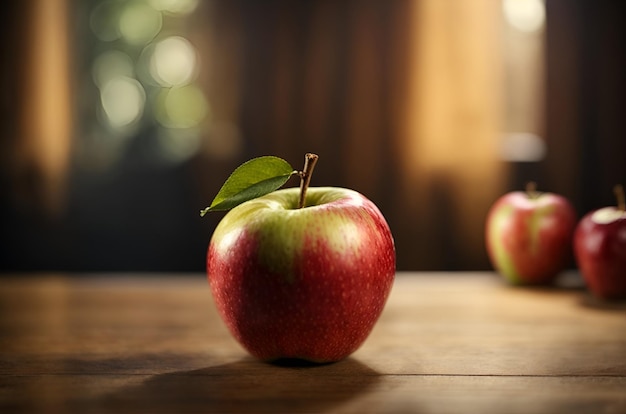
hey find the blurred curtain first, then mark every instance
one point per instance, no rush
(451, 169)
(35, 133)
(586, 100)
(36, 106)
(400, 99)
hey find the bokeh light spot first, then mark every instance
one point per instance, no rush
(139, 23)
(177, 145)
(173, 62)
(182, 107)
(123, 100)
(175, 6)
(111, 64)
(524, 15)
(103, 21)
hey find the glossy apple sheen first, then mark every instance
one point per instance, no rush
(302, 283)
(529, 239)
(600, 249)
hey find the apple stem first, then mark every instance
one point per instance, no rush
(619, 194)
(305, 176)
(531, 190)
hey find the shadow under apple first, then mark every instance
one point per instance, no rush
(593, 302)
(247, 386)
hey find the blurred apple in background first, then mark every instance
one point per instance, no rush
(528, 236)
(600, 249)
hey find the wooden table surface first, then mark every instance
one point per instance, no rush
(446, 343)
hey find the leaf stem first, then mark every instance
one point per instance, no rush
(619, 194)
(305, 176)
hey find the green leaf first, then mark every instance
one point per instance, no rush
(252, 179)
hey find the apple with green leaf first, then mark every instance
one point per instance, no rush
(297, 273)
(528, 236)
(600, 249)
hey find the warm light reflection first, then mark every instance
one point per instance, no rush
(453, 116)
(46, 127)
(173, 62)
(523, 60)
(524, 15)
(522, 147)
(454, 109)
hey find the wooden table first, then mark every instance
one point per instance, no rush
(446, 343)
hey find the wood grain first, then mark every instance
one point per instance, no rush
(447, 342)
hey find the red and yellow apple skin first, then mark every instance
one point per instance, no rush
(528, 236)
(600, 251)
(305, 283)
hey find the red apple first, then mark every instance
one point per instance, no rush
(528, 236)
(600, 250)
(306, 283)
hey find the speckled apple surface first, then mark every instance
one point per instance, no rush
(304, 283)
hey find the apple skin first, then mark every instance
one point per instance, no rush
(529, 236)
(304, 283)
(600, 251)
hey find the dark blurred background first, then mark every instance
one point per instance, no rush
(121, 119)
